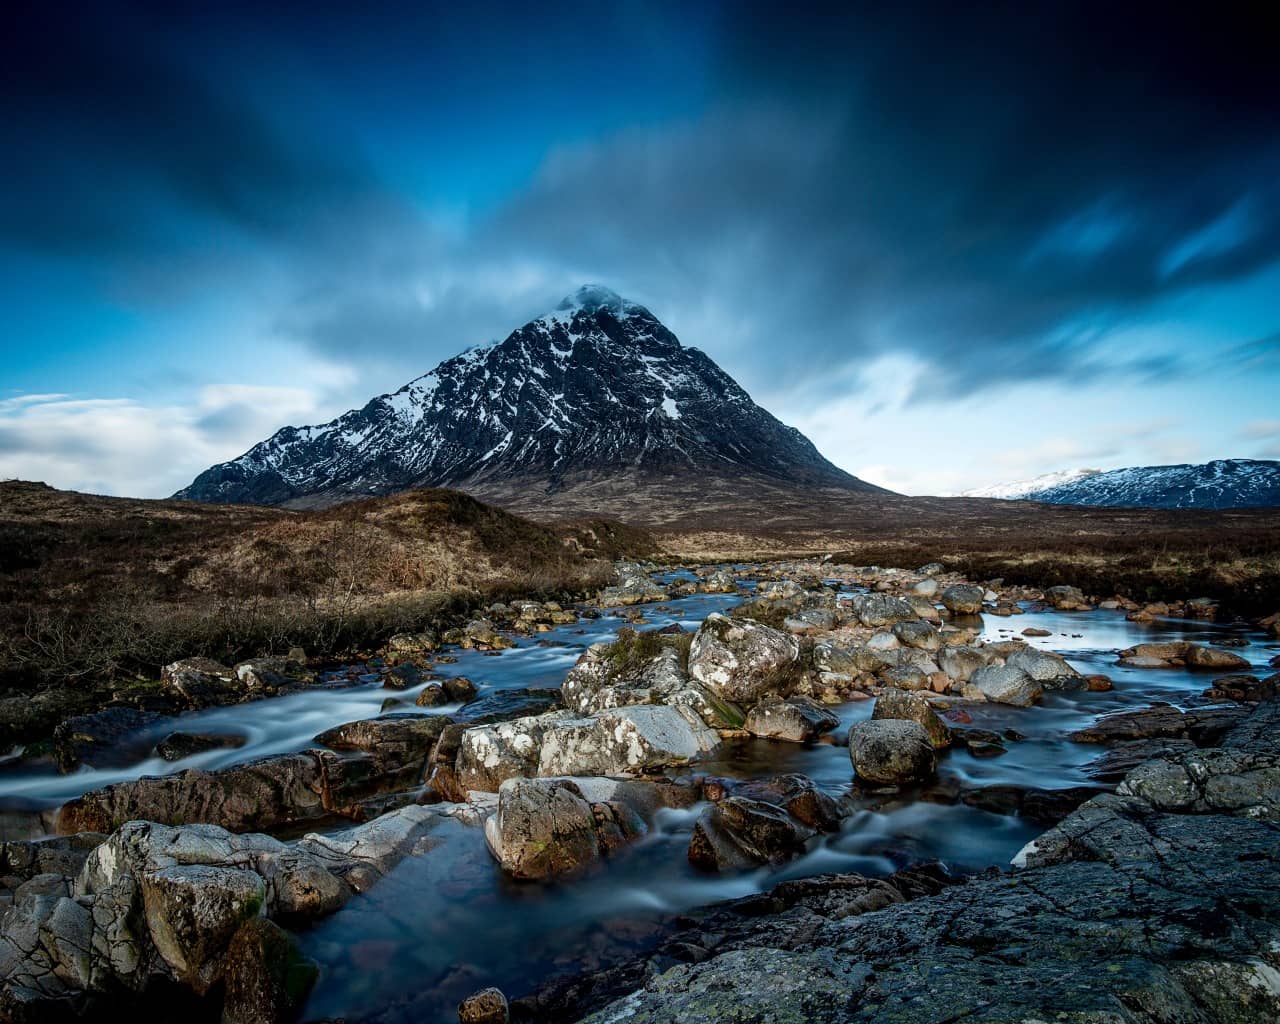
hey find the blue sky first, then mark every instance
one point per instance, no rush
(952, 246)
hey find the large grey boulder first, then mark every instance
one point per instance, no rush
(891, 752)
(1004, 684)
(622, 740)
(1044, 666)
(1066, 599)
(961, 662)
(616, 741)
(740, 659)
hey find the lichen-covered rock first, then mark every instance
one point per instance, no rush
(488, 755)
(796, 720)
(908, 707)
(488, 1006)
(622, 740)
(880, 609)
(597, 682)
(891, 752)
(192, 911)
(740, 659)
(1043, 666)
(1222, 781)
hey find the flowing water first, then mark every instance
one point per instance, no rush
(441, 925)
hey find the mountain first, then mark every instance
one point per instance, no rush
(1221, 484)
(1023, 488)
(596, 392)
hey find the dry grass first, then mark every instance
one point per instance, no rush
(94, 588)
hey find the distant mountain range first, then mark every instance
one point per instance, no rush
(1223, 483)
(596, 393)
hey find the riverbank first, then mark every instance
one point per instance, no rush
(567, 800)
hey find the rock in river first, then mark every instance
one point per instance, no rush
(796, 719)
(891, 752)
(740, 659)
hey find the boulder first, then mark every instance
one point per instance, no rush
(880, 609)
(547, 828)
(740, 659)
(1043, 666)
(891, 752)
(739, 833)
(606, 677)
(201, 682)
(178, 745)
(719, 582)
(266, 978)
(963, 599)
(960, 663)
(488, 755)
(1182, 652)
(810, 622)
(622, 740)
(919, 635)
(192, 911)
(795, 794)
(796, 720)
(1066, 598)
(111, 738)
(899, 705)
(1004, 684)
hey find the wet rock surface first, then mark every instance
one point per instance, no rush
(1125, 911)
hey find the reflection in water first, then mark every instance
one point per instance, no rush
(444, 924)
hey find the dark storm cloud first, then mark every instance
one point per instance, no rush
(991, 189)
(124, 144)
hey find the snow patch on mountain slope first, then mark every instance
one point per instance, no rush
(1022, 488)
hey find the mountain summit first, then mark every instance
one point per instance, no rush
(596, 390)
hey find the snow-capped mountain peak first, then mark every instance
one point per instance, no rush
(1223, 483)
(595, 386)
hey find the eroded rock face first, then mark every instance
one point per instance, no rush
(259, 794)
(741, 660)
(891, 752)
(266, 976)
